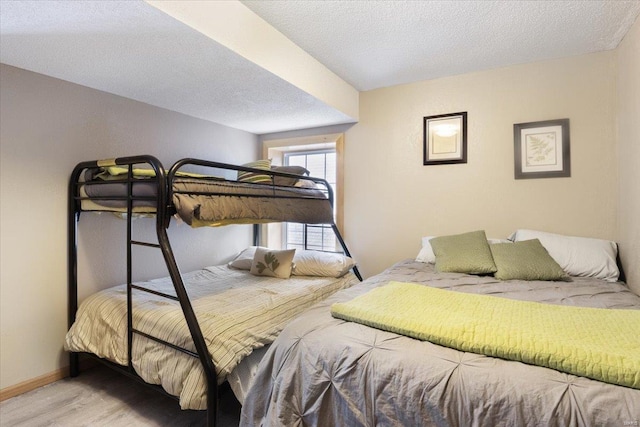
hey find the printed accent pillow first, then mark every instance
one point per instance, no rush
(285, 180)
(324, 264)
(268, 262)
(525, 260)
(254, 177)
(463, 253)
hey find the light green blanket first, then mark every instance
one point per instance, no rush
(602, 344)
(116, 172)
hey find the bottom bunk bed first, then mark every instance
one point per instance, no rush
(323, 370)
(238, 313)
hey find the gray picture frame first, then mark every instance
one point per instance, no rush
(541, 149)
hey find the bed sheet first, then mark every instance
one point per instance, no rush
(237, 311)
(325, 371)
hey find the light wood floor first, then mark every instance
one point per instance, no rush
(101, 397)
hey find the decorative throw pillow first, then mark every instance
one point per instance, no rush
(426, 254)
(285, 180)
(268, 262)
(254, 176)
(525, 260)
(463, 253)
(244, 259)
(578, 256)
(325, 264)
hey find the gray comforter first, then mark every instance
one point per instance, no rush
(322, 371)
(214, 202)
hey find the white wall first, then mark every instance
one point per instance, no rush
(629, 154)
(391, 199)
(47, 126)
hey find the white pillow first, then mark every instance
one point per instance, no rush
(426, 254)
(326, 264)
(305, 183)
(273, 263)
(578, 256)
(244, 259)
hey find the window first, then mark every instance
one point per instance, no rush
(320, 164)
(322, 155)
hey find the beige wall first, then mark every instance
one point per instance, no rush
(47, 126)
(391, 199)
(629, 154)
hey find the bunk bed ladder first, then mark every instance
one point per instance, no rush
(192, 322)
(202, 352)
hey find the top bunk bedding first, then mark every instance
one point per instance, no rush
(204, 200)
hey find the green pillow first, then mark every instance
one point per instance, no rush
(463, 253)
(526, 260)
(254, 176)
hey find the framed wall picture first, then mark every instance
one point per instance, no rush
(541, 149)
(445, 139)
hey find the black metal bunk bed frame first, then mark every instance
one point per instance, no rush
(163, 211)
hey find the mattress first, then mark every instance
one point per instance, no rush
(237, 312)
(326, 371)
(215, 202)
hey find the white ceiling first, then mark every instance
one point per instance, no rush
(132, 49)
(374, 44)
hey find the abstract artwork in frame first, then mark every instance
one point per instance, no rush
(445, 139)
(541, 149)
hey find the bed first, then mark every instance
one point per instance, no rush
(182, 333)
(324, 370)
(238, 313)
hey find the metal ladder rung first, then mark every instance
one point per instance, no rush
(151, 291)
(151, 245)
(173, 346)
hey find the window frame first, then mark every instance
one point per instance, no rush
(274, 149)
(306, 227)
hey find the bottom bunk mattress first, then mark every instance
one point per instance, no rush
(237, 312)
(322, 370)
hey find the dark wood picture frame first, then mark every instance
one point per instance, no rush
(445, 139)
(541, 149)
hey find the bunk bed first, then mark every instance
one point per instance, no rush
(139, 186)
(355, 358)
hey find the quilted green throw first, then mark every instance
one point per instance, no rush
(602, 344)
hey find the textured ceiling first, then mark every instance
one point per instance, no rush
(373, 44)
(132, 49)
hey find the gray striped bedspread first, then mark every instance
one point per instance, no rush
(322, 371)
(238, 312)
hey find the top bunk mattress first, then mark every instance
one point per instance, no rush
(201, 202)
(209, 201)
